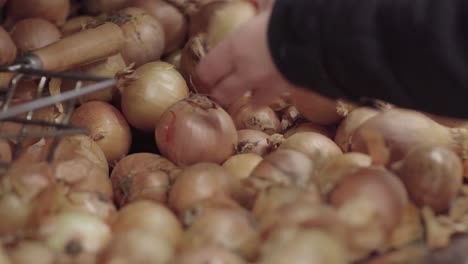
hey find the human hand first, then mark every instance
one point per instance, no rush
(242, 62)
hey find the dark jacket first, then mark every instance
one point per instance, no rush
(412, 53)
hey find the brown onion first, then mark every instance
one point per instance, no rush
(216, 202)
(109, 67)
(199, 182)
(5, 151)
(137, 246)
(323, 111)
(174, 59)
(8, 48)
(194, 50)
(74, 234)
(241, 166)
(432, 175)
(230, 228)
(156, 87)
(220, 18)
(27, 252)
(334, 170)
(248, 116)
(201, 124)
(172, 20)
(150, 217)
(142, 176)
(208, 254)
(34, 33)
(319, 148)
(144, 35)
(93, 203)
(103, 6)
(252, 141)
(349, 125)
(108, 128)
(76, 24)
(56, 11)
(309, 127)
(401, 130)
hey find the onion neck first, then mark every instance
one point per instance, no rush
(202, 102)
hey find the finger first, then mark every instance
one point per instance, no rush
(217, 64)
(229, 90)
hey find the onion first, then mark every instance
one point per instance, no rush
(208, 254)
(150, 217)
(7, 48)
(252, 141)
(108, 128)
(34, 33)
(241, 166)
(74, 234)
(5, 151)
(400, 130)
(248, 116)
(25, 90)
(230, 228)
(309, 127)
(220, 18)
(27, 252)
(172, 20)
(56, 11)
(217, 202)
(323, 111)
(194, 50)
(335, 169)
(319, 148)
(92, 203)
(201, 124)
(142, 176)
(156, 87)
(137, 246)
(174, 59)
(103, 6)
(109, 67)
(144, 35)
(432, 175)
(349, 125)
(410, 229)
(76, 24)
(198, 182)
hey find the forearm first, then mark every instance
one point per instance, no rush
(410, 53)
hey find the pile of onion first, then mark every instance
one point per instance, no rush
(108, 128)
(30, 251)
(56, 11)
(143, 33)
(155, 87)
(7, 48)
(194, 50)
(241, 166)
(142, 176)
(33, 33)
(208, 254)
(196, 130)
(309, 127)
(172, 20)
(252, 141)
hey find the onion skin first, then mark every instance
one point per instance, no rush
(93, 203)
(201, 124)
(208, 254)
(241, 166)
(433, 175)
(31, 252)
(309, 127)
(252, 141)
(173, 21)
(8, 48)
(144, 35)
(150, 217)
(76, 24)
(34, 33)
(174, 59)
(349, 125)
(194, 50)
(108, 128)
(56, 11)
(216, 202)
(142, 176)
(156, 87)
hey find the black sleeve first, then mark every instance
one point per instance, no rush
(412, 53)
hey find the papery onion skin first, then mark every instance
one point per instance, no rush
(252, 141)
(156, 87)
(173, 21)
(34, 33)
(199, 182)
(76, 24)
(93, 203)
(216, 202)
(208, 254)
(56, 11)
(174, 59)
(194, 50)
(432, 175)
(309, 127)
(150, 217)
(108, 128)
(143, 33)
(8, 48)
(241, 166)
(103, 6)
(349, 125)
(27, 252)
(142, 175)
(201, 124)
